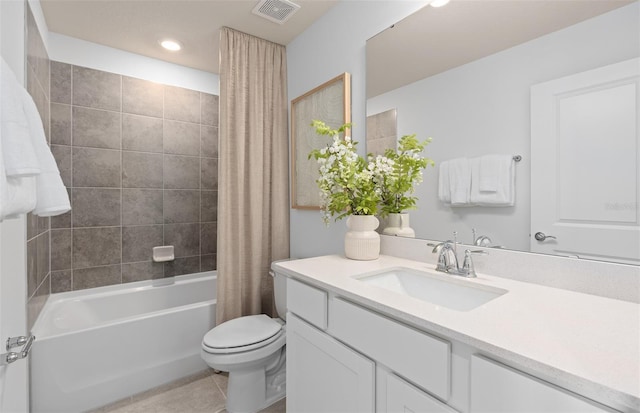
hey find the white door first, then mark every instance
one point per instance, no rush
(14, 378)
(585, 174)
(324, 375)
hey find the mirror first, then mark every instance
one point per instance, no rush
(462, 74)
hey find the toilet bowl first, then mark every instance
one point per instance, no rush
(252, 350)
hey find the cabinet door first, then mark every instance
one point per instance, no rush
(497, 388)
(323, 375)
(402, 397)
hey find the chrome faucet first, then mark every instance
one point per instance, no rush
(448, 259)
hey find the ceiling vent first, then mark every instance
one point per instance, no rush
(277, 11)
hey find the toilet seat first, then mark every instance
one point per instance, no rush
(242, 334)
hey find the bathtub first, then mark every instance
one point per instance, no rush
(97, 346)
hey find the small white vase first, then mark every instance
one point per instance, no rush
(362, 242)
(398, 225)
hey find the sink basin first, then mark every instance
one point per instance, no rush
(446, 291)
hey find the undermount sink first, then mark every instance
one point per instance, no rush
(442, 290)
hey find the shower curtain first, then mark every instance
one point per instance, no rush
(253, 197)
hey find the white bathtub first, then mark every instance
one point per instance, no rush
(97, 346)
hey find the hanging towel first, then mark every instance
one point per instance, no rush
(17, 194)
(444, 189)
(19, 155)
(504, 195)
(26, 185)
(460, 181)
(491, 168)
(51, 195)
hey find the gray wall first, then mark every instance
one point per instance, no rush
(140, 162)
(38, 234)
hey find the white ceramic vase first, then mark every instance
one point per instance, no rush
(361, 241)
(398, 225)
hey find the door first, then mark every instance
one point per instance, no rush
(324, 375)
(585, 178)
(14, 378)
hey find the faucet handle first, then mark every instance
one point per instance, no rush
(468, 269)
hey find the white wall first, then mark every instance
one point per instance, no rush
(95, 56)
(483, 107)
(82, 53)
(333, 45)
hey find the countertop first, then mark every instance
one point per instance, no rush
(585, 343)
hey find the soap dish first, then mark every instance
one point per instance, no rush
(163, 253)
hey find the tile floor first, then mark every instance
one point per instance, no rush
(203, 392)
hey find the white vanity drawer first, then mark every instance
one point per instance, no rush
(419, 357)
(401, 396)
(309, 303)
(496, 387)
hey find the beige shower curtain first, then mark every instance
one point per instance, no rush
(253, 203)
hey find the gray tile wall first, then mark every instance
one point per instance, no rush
(38, 234)
(140, 162)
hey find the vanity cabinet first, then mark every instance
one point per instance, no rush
(413, 354)
(324, 375)
(331, 360)
(499, 388)
(343, 357)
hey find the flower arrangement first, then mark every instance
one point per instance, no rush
(350, 184)
(346, 179)
(405, 170)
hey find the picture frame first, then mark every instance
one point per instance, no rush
(331, 103)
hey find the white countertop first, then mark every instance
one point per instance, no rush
(585, 343)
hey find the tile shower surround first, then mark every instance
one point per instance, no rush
(140, 162)
(38, 233)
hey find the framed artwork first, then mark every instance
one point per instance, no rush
(382, 132)
(331, 103)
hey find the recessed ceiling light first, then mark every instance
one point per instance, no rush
(438, 3)
(171, 45)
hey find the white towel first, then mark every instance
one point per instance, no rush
(19, 156)
(51, 195)
(17, 194)
(26, 185)
(444, 189)
(504, 195)
(460, 181)
(491, 167)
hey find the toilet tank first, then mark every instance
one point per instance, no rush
(280, 293)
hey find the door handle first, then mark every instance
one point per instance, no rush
(10, 357)
(541, 236)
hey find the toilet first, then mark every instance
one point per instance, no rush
(252, 350)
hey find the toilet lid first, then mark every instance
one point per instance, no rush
(242, 332)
